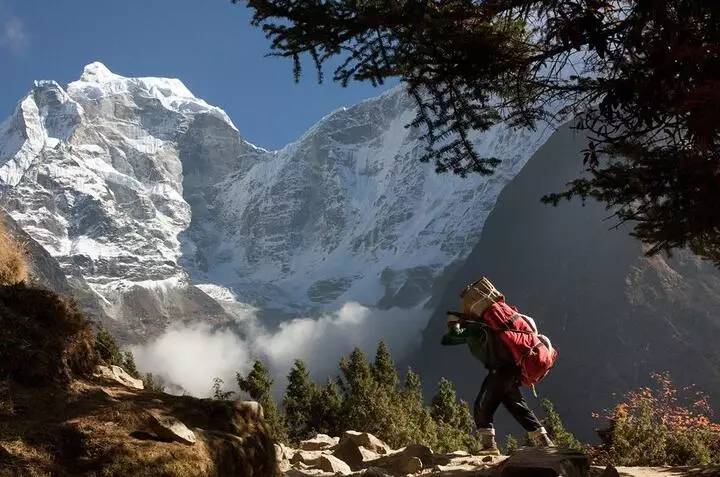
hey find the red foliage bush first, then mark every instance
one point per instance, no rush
(660, 425)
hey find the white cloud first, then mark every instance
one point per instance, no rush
(13, 35)
(191, 357)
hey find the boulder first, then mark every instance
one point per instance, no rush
(283, 452)
(310, 458)
(319, 442)
(306, 473)
(374, 472)
(551, 462)
(411, 465)
(169, 428)
(610, 471)
(354, 455)
(330, 463)
(405, 460)
(366, 440)
(117, 374)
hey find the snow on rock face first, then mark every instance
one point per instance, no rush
(135, 184)
(349, 213)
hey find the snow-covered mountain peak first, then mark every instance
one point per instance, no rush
(141, 188)
(97, 72)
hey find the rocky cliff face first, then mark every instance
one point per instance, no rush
(144, 191)
(615, 314)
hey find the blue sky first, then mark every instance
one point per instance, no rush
(208, 44)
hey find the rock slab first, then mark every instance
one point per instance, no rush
(530, 462)
(319, 442)
(170, 428)
(116, 373)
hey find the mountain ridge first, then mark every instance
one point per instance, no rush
(140, 187)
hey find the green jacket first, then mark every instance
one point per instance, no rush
(484, 344)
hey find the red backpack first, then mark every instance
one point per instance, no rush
(532, 352)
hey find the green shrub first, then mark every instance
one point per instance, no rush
(556, 429)
(108, 350)
(660, 426)
(218, 392)
(511, 444)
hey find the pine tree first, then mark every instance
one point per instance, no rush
(445, 406)
(298, 402)
(453, 419)
(258, 385)
(326, 410)
(511, 444)
(556, 429)
(129, 364)
(384, 369)
(107, 348)
(413, 386)
(417, 424)
(358, 386)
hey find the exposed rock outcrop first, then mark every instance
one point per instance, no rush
(59, 417)
(116, 373)
(101, 427)
(360, 453)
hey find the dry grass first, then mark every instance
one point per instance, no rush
(100, 428)
(13, 267)
(43, 337)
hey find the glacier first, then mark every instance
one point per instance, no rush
(157, 202)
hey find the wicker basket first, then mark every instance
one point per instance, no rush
(478, 297)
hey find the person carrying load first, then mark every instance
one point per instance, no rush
(508, 344)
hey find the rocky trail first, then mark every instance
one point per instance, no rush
(108, 425)
(359, 453)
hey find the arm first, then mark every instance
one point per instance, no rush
(453, 337)
(456, 333)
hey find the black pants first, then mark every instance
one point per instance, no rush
(502, 385)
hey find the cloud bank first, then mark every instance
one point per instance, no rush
(190, 357)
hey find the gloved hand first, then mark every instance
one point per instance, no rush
(454, 320)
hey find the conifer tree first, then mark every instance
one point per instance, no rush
(129, 364)
(413, 385)
(258, 385)
(107, 348)
(325, 415)
(358, 387)
(453, 419)
(556, 429)
(384, 369)
(445, 406)
(298, 402)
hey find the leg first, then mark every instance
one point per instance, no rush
(488, 400)
(516, 404)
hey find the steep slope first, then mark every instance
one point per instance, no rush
(615, 314)
(91, 172)
(145, 191)
(44, 271)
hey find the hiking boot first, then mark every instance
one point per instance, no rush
(540, 438)
(486, 436)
